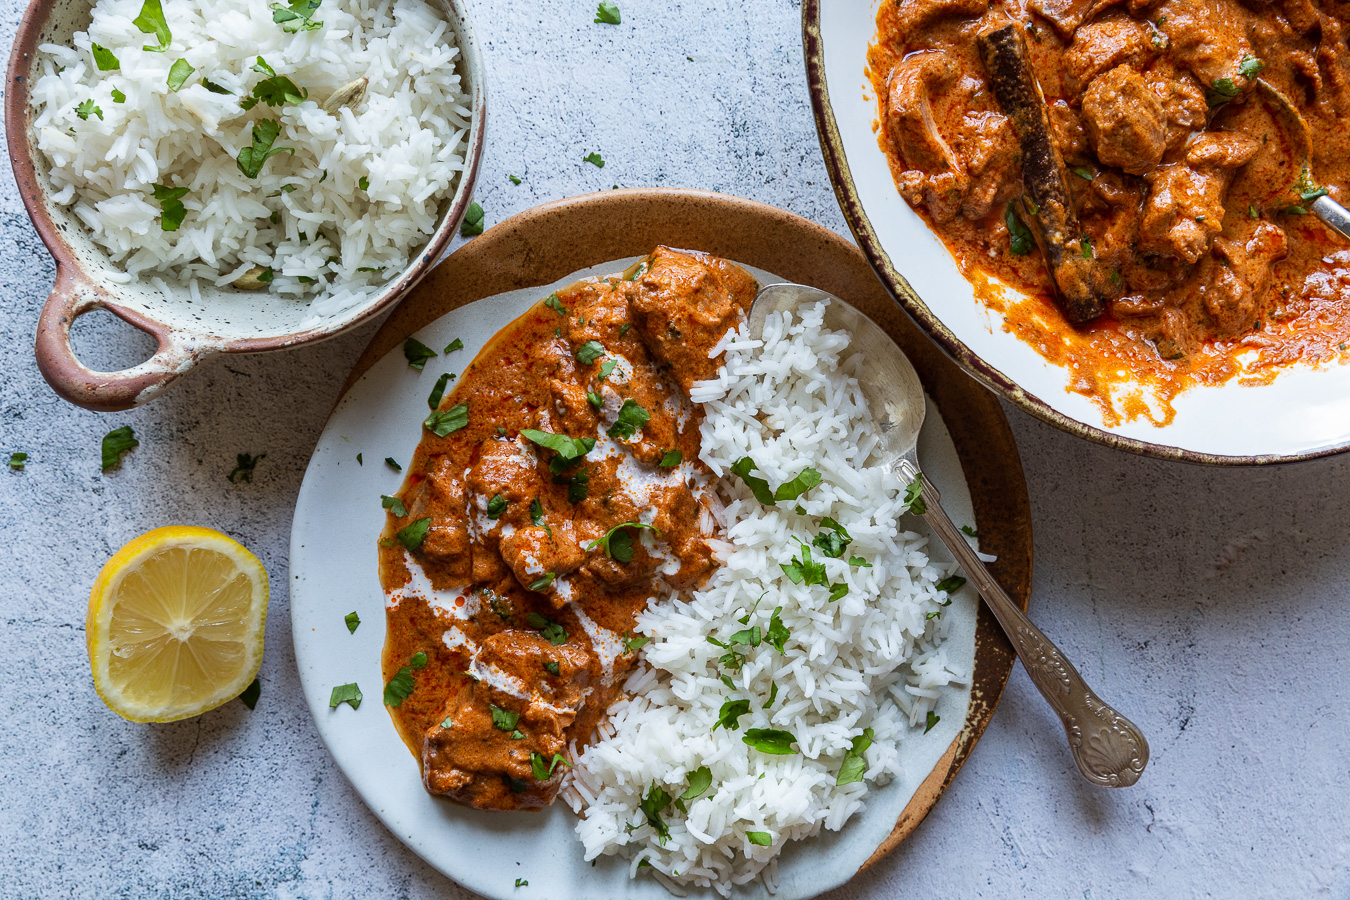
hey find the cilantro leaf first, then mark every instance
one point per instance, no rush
(347, 693)
(607, 13)
(854, 766)
(631, 418)
(778, 633)
(179, 73)
(473, 221)
(172, 211)
(803, 570)
(594, 159)
(652, 803)
(87, 109)
(17, 460)
(105, 59)
(569, 448)
(1249, 67)
(968, 530)
(543, 768)
(589, 352)
(395, 504)
(699, 781)
(297, 16)
(252, 158)
(729, 715)
(760, 838)
(933, 719)
(454, 345)
(393, 464)
(833, 542)
(275, 90)
(417, 353)
(635, 643)
(1221, 91)
(151, 21)
(353, 622)
(496, 506)
(400, 687)
(1018, 233)
(118, 96)
(438, 390)
(793, 489)
(770, 740)
(618, 543)
(548, 629)
(555, 304)
(758, 486)
(672, 459)
(914, 496)
(503, 719)
(116, 443)
(443, 422)
(542, 583)
(413, 535)
(950, 583)
(838, 591)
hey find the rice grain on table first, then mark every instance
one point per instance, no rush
(871, 659)
(336, 239)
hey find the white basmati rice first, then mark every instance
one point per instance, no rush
(306, 216)
(872, 659)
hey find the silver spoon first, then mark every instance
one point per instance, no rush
(1108, 748)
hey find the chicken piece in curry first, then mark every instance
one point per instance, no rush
(555, 493)
(1194, 258)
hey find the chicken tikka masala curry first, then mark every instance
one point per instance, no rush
(556, 491)
(1118, 162)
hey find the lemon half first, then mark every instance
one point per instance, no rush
(175, 624)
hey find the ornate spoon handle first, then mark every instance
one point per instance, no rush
(1109, 749)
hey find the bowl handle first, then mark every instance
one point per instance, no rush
(72, 297)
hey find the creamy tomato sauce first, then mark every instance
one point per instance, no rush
(1182, 174)
(572, 496)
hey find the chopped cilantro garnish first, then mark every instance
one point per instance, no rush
(778, 633)
(634, 643)
(859, 561)
(773, 695)
(473, 221)
(542, 767)
(933, 719)
(914, 496)
(1221, 91)
(244, 466)
(968, 530)
(215, 88)
(118, 96)
(589, 352)
(652, 803)
(393, 464)
(838, 591)
(553, 303)
(151, 21)
(105, 59)
(594, 159)
(515, 179)
(353, 622)
(569, 448)
(854, 765)
(417, 353)
(1249, 67)
(793, 489)
(729, 715)
(834, 541)
(549, 630)
(496, 506)
(172, 211)
(606, 367)
(542, 583)
(551, 667)
(445, 421)
(672, 459)
(607, 13)
(1018, 234)
(577, 487)
(760, 838)
(631, 418)
(179, 73)
(699, 781)
(275, 90)
(412, 535)
(617, 542)
(17, 460)
(770, 740)
(454, 345)
(950, 583)
(349, 694)
(115, 444)
(803, 570)
(395, 504)
(296, 16)
(595, 399)
(438, 390)
(400, 687)
(1082, 172)
(503, 719)
(758, 486)
(87, 109)
(521, 882)
(252, 158)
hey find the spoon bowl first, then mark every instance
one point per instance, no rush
(1109, 749)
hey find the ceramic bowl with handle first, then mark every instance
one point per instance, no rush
(223, 320)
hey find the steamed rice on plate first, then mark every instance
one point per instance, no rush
(644, 563)
(303, 149)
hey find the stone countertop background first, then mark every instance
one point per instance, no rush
(1208, 604)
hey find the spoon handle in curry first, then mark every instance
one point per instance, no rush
(1109, 749)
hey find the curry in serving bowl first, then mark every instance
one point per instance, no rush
(1121, 166)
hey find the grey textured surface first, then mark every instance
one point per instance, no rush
(1209, 605)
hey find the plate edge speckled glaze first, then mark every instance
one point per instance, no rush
(524, 251)
(850, 202)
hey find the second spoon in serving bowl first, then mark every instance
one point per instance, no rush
(1108, 748)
